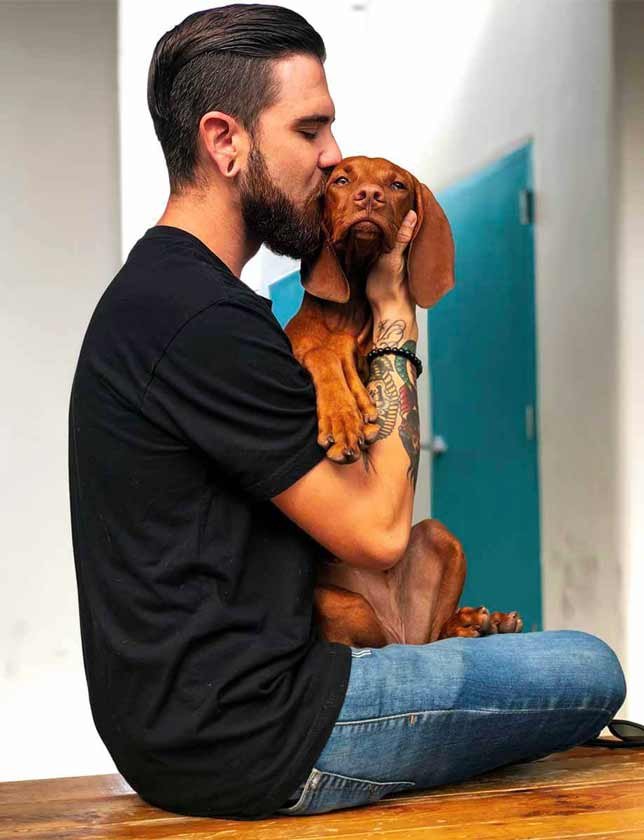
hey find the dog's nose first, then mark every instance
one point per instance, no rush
(368, 193)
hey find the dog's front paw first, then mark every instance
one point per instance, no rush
(344, 433)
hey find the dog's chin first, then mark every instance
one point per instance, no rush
(362, 235)
(365, 230)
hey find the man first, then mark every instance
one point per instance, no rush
(200, 494)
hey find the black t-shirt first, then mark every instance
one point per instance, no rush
(208, 680)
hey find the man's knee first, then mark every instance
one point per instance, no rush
(596, 664)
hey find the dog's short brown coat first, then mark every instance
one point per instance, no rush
(365, 202)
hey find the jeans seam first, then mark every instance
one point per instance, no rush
(371, 782)
(458, 711)
(310, 785)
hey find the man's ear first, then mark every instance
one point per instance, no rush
(322, 274)
(224, 142)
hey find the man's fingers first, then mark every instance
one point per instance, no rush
(406, 229)
(392, 263)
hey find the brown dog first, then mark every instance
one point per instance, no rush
(416, 601)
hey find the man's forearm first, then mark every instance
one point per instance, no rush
(394, 455)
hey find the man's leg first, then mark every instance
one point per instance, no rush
(418, 716)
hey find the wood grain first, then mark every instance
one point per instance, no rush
(585, 792)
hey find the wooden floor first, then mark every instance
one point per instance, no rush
(585, 792)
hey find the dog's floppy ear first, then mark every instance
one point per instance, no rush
(430, 259)
(322, 275)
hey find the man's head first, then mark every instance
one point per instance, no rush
(228, 90)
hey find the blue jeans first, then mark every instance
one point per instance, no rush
(417, 716)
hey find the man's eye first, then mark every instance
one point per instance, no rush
(341, 178)
(399, 185)
(309, 135)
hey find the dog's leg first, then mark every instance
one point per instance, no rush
(431, 576)
(429, 580)
(347, 617)
(413, 600)
(343, 427)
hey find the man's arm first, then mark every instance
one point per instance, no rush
(362, 512)
(392, 387)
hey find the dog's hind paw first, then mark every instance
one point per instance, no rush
(473, 622)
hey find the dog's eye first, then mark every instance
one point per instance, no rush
(399, 185)
(341, 178)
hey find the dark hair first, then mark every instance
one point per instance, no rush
(219, 60)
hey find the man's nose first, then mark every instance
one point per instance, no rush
(331, 156)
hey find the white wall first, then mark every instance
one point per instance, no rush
(59, 240)
(482, 78)
(444, 88)
(441, 88)
(539, 70)
(629, 38)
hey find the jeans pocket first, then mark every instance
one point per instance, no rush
(324, 792)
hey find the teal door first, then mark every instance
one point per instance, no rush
(483, 383)
(287, 294)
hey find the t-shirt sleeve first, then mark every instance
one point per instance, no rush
(228, 383)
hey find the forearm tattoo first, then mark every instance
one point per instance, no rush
(392, 387)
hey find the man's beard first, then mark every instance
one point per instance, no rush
(271, 216)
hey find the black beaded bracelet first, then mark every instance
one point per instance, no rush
(397, 351)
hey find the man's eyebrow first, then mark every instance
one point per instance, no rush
(320, 119)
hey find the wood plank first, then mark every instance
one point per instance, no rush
(584, 792)
(546, 813)
(586, 761)
(69, 787)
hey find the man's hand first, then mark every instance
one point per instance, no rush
(387, 279)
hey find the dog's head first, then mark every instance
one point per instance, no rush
(365, 202)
